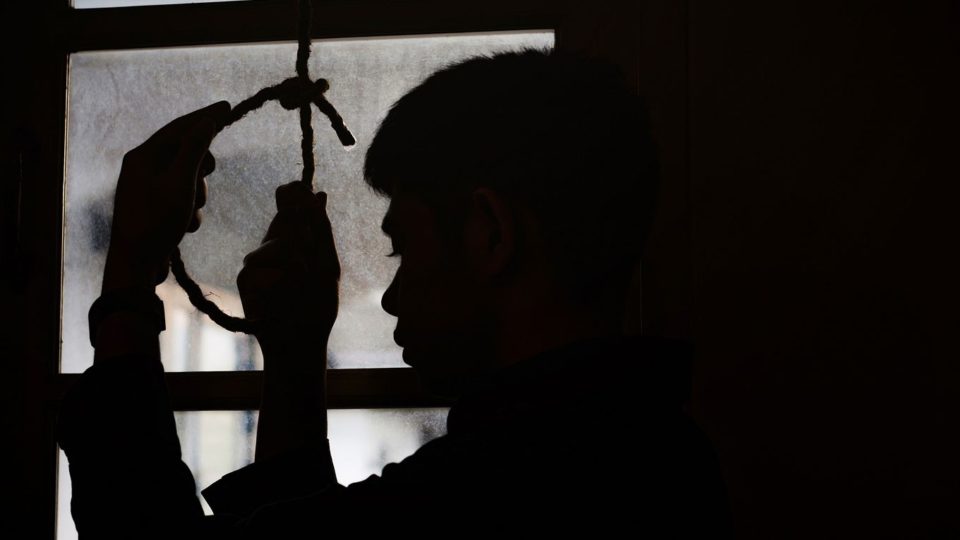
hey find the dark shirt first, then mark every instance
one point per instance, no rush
(590, 437)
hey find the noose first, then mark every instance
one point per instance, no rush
(294, 93)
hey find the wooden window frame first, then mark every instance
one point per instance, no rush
(656, 59)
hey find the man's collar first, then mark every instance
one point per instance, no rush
(609, 369)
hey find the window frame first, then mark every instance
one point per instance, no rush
(181, 25)
(651, 47)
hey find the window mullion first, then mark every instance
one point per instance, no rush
(240, 390)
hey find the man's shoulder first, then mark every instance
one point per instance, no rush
(601, 438)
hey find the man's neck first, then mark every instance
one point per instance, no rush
(523, 338)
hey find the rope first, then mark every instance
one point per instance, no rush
(294, 93)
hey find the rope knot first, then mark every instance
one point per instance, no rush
(295, 92)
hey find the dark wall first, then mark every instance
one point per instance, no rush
(823, 170)
(26, 416)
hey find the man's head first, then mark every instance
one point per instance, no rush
(522, 189)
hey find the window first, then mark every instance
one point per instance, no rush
(146, 64)
(117, 97)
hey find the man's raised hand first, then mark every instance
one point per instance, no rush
(159, 195)
(290, 283)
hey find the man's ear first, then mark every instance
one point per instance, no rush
(491, 233)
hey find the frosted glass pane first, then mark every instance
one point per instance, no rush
(362, 441)
(214, 443)
(86, 4)
(118, 98)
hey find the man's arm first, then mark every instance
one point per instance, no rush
(118, 433)
(293, 411)
(116, 425)
(290, 286)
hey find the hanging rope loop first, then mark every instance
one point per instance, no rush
(295, 93)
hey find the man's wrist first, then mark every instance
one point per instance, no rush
(135, 308)
(123, 333)
(293, 350)
(126, 271)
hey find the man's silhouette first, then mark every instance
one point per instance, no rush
(521, 191)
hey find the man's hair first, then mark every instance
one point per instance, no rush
(562, 134)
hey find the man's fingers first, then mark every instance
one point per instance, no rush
(279, 226)
(259, 292)
(208, 165)
(310, 232)
(195, 221)
(173, 131)
(298, 248)
(293, 195)
(324, 245)
(274, 253)
(189, 138)
(292, 199)
(295, 271)
(303, 229)
(193, 147)
(260, 281)
(200, 200)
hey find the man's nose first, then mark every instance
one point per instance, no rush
(389, 299)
